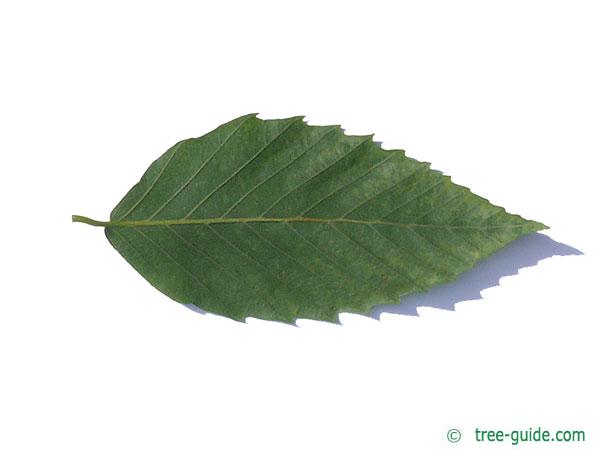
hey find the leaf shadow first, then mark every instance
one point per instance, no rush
(526, 251)
(194, 308)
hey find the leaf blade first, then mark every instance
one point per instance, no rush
(280, 220)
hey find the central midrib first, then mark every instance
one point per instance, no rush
(299, 219)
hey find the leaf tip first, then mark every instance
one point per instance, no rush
(538, 226)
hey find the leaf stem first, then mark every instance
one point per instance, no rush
(87, 220)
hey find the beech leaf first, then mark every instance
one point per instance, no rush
(279, 220)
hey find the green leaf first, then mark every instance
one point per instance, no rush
(279, 220)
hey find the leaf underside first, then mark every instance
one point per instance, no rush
(279, 220)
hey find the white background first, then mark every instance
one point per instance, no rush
(503, 96)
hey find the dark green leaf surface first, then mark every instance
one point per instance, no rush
(279, 220)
